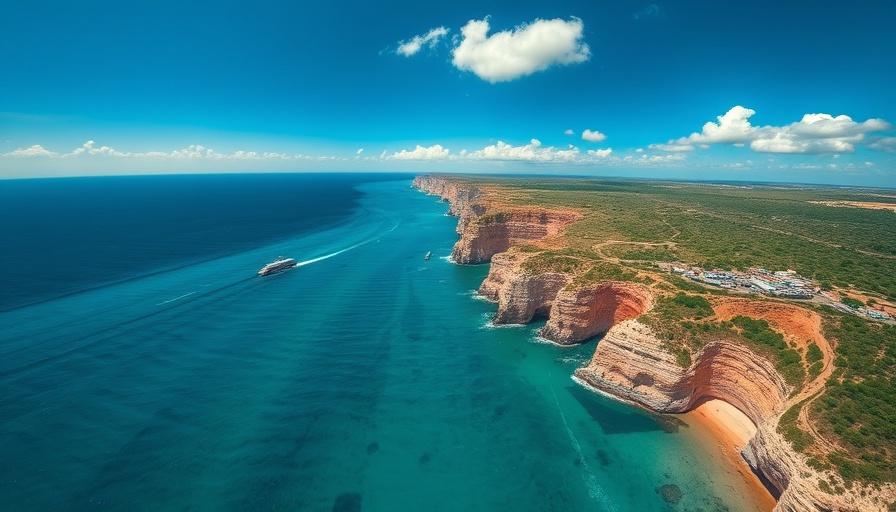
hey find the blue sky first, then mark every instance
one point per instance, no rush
(690, 89)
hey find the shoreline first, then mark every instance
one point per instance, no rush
(723, 430)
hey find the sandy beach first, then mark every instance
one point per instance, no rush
(726, 430)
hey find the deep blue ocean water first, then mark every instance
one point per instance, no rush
(143, 366)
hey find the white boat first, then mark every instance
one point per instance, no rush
(277, 266)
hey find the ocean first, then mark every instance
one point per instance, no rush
(144, 366)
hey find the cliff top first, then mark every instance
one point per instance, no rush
(841, 413)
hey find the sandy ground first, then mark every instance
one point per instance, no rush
(728, 430)
(858, 204)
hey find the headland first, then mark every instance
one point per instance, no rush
(797, 389)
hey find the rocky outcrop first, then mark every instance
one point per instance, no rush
(460, 198)
(485, 235)
(631, 363)
(581, 313)
(774, 460)
(486, 229)
(521, 296)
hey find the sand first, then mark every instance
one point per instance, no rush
(727, 431)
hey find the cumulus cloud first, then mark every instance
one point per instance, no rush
(435, 152)
(528, 48)
(504, 151)
(671, 147)
(593, 136)
(413, 45)
(887, 144)
(90, 149)
(813, 134)
(35, 150)
(569, 132)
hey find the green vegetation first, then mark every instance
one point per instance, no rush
(787, 360)
(603, 271)
(853, 303)
(737, 227)
(639, 252)
(799, 438)
(696, 306)
(551, 262)
(728, 227)
(859, 406)
(814, 354)
(681, 323)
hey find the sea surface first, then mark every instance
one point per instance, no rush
(144, 366)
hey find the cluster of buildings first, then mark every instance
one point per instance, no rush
(782, 283)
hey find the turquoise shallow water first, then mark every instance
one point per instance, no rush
(365, 379)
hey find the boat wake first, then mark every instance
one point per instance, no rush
(332, 254)
(176, 298)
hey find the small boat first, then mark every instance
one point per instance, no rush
(277, 266)
(428, 255)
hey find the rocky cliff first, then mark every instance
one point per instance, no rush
(581, 313)
(488, 234)
(460, 198)
(521, 296)
(630, 361)
(487, 228)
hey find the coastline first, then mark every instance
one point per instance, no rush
(723, 431)
(526, 279)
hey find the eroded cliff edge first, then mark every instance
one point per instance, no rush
(631, 362)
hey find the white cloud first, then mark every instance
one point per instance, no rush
(89, 149)
(360, 150)
(35, 150)
(532, 152)
(813, 134)
(528, 48)
(600, 153)
(593, 136)
(732, 128)
(435, 152)
(887, 144)
(569, 132)
(672, 147)
(412, 46)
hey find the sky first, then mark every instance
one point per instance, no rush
(792, 91)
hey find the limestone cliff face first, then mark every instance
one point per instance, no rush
(485, 233)
(581, 313)
(771, 456)
(631, 363)
(460, 198)
(521, 296)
